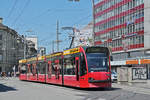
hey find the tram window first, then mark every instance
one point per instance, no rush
(69, 66)
(42, 67)
(60, 66)
(49, 70)
(38, 68)
(83, 69)
(23, 69)
(57, 67)
(97, 62)
(31, 68)
(53, 68)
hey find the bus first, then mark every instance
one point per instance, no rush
(83, 67)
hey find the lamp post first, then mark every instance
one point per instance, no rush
(93, 11)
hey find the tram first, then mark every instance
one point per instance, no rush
(83, 67)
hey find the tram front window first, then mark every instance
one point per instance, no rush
(97, 62)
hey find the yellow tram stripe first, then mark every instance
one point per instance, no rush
(71, 51)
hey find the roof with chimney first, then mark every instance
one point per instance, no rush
(6, 28)
(2, 26)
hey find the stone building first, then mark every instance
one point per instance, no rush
(13, 47)
(83, 36)
(31, 51)
(41, 51)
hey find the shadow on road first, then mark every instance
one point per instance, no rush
(103, 89)
(4, 88)
(95, 89)
(81, 89)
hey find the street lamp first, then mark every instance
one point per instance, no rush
(93, 11)
(71, 35)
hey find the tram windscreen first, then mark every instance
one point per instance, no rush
(97, 62)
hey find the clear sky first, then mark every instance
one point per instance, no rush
(40, 16)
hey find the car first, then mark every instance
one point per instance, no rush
(113, 76)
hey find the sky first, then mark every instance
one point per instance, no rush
(39, 17)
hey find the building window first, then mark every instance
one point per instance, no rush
(137, 40)
(0, 45)
(0, 37)
(141, 39)
(1, 57)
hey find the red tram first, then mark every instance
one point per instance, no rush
(84, 67)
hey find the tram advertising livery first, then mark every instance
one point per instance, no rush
(83, 67)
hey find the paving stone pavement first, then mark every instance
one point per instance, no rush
(143, 88)
(13, 89)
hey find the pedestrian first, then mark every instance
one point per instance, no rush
(8, 74)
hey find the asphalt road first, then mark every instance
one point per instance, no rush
(13, 89)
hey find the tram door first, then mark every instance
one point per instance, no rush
(49, 69)
(57, 69)
(77, 68)
(34, 71)
(28, 72)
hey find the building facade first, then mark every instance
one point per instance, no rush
(41, 51)
(123, 25)
(34, 39)
(11, 48)
(31, 51)
(83, 36)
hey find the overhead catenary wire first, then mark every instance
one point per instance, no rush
(82, 19)
(79, 21)
(21, 12)
(55, 11)
(12, 9)
(49, 11)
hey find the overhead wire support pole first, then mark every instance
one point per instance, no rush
(71, 35)
(53, 46)
(72, 40)
(57, 35)
(93, 20)
(25, 43)
(93, 10)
